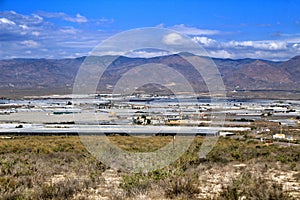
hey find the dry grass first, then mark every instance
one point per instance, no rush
(181, 180)
(140, 144)
(46, 168)
(249, 186)
(55, 167)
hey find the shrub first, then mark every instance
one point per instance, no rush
(135, 184)
(28, 165)
(248, 186)
(186, 186)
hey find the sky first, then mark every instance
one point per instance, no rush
(264, 29)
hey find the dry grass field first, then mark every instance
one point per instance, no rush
(56, 167)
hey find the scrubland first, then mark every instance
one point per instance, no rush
(60, 167)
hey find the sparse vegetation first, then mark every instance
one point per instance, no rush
(46, 168)
(181, 179)
(249, 186)
(55, 167)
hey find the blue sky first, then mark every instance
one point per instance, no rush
(228, 29)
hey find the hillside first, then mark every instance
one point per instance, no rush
(20, 77)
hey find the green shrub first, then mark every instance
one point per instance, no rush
(135, 184)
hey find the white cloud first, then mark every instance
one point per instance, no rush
(39, 18)
(35, 33)
(146, 54)
(24, 26)
(95, 52)
(6, 21)
(29, 43)
(28, 52)
(296, 46)
(194, 31)
(77, 19)
(263, 49)
(173, 39)
(265, 44)
(262, 54)
(102, 21)
(220, 54)
(205, 41)
(69, 30)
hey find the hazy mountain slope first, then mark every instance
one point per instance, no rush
(57, 75)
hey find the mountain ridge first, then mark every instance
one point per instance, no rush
(26, 76)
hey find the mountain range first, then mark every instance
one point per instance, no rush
(25, 77)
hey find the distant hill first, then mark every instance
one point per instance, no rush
(19, 77)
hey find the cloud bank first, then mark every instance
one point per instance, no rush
(36, 36)
(59, 35)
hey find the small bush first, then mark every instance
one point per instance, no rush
(184, 186)
(135, 184)
(28, 165)
(62, 190)
(248, 186)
